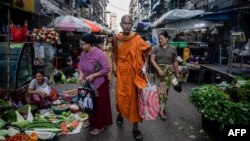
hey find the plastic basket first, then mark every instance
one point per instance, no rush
(174, 44)
(183, 44)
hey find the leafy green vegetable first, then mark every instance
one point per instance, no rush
(3, 132)
(5, 104)
(244, 91)
(19, 117)
(214, 104)
(30, 116)
(24, 109)
(21, 124)
(9, 116)
(2, 123)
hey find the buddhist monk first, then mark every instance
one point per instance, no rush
(129, 56)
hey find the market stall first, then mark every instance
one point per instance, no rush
(223, 107)
(45, 41)
(189, 35)
(31, 124)
(64, 115)
(70, 29)
(16, 51)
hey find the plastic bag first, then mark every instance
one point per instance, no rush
(148, 100)
(178, 87)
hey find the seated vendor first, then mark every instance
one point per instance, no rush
(68, 67)
(39, 90)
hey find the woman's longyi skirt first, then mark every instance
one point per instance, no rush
(103, 115)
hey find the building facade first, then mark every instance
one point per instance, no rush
(112, 22)
(97, 11)
(140, 10)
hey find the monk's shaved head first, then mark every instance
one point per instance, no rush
(126, 24)
(125, 17)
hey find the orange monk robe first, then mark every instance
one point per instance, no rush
(129, 75)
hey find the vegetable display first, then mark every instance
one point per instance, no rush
(2, 123)
(4, 104)
(217, 105)
(9, 116)
(21, 125)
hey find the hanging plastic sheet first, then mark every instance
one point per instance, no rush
(39, 50)
(221, 15)
(192, 24)
(176, 14)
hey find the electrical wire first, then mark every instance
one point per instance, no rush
(118, 8)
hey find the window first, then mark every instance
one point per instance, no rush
(24, 71)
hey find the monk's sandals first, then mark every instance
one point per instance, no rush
(137, 135)
(119, 121)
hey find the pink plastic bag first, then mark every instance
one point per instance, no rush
(148, 100)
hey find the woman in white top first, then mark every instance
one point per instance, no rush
(39, 91)
(39, 85)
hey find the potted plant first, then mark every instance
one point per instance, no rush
(219, 111)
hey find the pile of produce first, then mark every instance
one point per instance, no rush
(48, 35)
(228, 104)
(35, 127)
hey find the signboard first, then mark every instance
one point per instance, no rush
(28, 5)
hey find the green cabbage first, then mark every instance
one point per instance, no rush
(2, 123)
(3, 132)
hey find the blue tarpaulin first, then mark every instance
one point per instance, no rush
(222, 15)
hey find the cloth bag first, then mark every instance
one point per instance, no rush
(87, 97)
(148, 100)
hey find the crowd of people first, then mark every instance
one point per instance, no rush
(122, 56)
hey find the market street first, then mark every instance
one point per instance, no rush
(196, 51)
(183, 122)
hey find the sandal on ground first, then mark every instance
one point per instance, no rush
(119, 121)
(137, 135)
(85, 124)
(162, 116)
(96, 131)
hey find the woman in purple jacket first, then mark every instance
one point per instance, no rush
(90, 57)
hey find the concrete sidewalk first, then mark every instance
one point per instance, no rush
(183, 122)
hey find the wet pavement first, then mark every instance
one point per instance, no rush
(183, 122)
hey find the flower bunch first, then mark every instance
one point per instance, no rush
(48, 35)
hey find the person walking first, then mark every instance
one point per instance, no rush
(129, 55)
(90, 57)
(164, 60)
(108, 51)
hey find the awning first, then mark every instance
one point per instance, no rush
(222, 15)
(69, 23)
(105, 29)
(192, 24)
(177, 14)
(93, 26)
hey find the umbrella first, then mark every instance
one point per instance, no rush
(105, 29)
(93, 26)
(69, 23)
